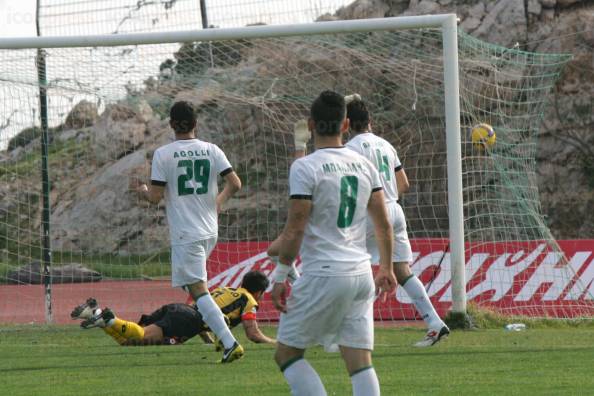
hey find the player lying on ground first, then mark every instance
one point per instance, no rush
(177, 323)
(394, 182)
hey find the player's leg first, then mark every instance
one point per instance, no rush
(113, 334)
(189, 270)
(417, 293)
(85, 310)
(300, 375)
(123, 331)
(360, 368)
(124, 328)
(153, 335)
(355, 337)
(153, 317)
(206, 337)
(316, 308)
(90, 312)
(213, 317)
(436, 328)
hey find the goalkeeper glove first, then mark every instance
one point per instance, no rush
(351, 98)
(301, 135)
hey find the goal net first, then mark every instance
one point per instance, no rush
(108, 111)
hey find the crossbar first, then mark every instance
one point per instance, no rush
(249, 32)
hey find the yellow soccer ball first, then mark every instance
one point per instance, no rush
(483, 136)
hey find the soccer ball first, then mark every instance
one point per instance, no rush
(483, 136)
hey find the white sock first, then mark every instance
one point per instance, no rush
(293, 273)
(303, 379)
(213, 317)
(365, 382)
(416, 291)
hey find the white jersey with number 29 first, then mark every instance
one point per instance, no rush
(188, 169)
(383, 155)
(339, 183)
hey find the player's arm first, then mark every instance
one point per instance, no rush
(253, 333)
(207, 337)
(232, 185)
(301, 136)
(292, 235)
(299, 153)
(385, 278)
(402, 183)
(153, 193)
(156, 190)
(290, 242)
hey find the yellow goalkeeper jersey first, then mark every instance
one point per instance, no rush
(236, 304)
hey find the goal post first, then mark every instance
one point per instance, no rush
(470, 213)
(454, 162)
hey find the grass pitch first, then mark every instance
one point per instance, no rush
(65, 360)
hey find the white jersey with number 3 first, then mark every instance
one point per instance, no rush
(188, 169)
(383, 155)
(339, 183)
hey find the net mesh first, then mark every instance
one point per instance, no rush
(85, 17)
(108, 111)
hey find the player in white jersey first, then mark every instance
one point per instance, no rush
(185, 172)
(331, 193)
(394, 181)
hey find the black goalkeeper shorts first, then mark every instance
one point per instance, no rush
(178, 321)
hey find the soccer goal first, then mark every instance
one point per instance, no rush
(89, 111)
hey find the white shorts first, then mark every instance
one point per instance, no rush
(188, 261)
(327, 310)
(402, 251)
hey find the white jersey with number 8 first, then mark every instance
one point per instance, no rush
(339, 182)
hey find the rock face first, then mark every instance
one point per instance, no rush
(83, 114)
(100, 205)
(565, 158)
(95, 210)
(121, 126)
(32, 274)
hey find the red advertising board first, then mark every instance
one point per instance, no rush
(525, 278)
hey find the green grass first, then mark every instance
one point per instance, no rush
(120, 267)
(69, 361)
(109, 266)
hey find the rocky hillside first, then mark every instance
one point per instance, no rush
(566, 143)
(95, 155)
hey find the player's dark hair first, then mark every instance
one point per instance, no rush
(182, 117)
(328, 113)
(255, 281)
(358, 115)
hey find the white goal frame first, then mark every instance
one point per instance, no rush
(448, 25)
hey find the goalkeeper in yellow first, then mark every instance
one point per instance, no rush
(176, 323)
